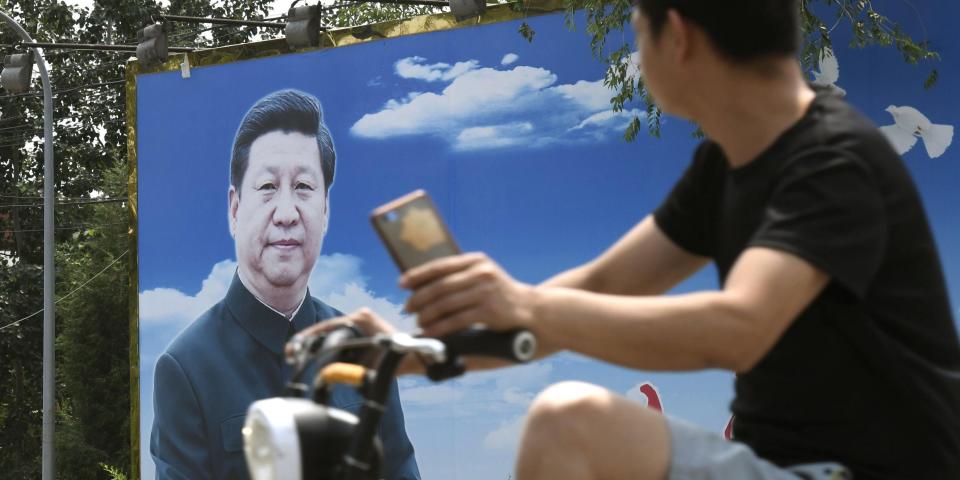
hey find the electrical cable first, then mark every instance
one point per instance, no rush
(86, 202)
(115, 260)
(66, 227)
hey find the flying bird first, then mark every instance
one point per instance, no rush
(909, 125)
(829, 72)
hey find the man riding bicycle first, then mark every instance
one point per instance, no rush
(833, 309)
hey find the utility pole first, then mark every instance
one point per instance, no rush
(49, 399)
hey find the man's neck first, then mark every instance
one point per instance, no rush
(745, 112)
(284, 301)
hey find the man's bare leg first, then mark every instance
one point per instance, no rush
(581, 431)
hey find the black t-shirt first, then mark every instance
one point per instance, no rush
(869, 374)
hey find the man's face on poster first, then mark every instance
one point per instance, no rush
(279, 215)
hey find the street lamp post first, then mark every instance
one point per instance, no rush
(48, 458)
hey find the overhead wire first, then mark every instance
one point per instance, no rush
(66, 227)
(68, 295)
(77, 202)
(40, 197)
(65, 90)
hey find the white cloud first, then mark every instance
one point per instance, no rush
(608, 119)
(431, 395)
(486, 108)
(479, 395)
(591, 96)
(171, 307)
(469, 99)
(634, 66)
(496, 136)
(355, 296)
(509, 59)
(507, 436)
(416, 68)
(523, 377)
(337, 280)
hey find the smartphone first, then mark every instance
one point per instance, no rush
(413, 231)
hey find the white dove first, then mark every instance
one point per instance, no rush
(911, 124)
(829, 72)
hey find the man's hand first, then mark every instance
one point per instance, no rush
(455, 293)
(364, 319)
(370, 324)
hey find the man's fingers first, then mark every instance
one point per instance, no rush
(452, 324)
(368, 322)
(439, 288)
(318, 329)
(451, 304)
(364, 319)
(424, 274)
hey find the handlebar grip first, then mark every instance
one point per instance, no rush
(514, 345)
(343, 373)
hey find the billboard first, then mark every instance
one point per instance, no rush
(515, 142)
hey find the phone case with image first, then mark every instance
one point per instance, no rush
(413, 231)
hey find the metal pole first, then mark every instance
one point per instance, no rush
(48, 457)
(222, 21)
(95, 46)
(425, 3)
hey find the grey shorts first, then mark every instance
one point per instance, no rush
(697, 454)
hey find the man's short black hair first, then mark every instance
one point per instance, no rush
(741, 30)
(287, 111)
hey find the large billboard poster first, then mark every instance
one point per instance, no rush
(515, 142)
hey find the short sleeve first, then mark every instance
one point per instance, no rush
(688, 213)
(828, 210)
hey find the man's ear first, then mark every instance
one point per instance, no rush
(680, 35)
(233, 204)
(326, 213)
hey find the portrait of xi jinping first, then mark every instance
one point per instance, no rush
(282, 169)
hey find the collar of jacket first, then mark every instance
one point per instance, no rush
(267, 326)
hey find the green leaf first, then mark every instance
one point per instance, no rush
(931, 80)
(526, 32)
(608, 21)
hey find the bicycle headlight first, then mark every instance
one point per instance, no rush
(283, 438)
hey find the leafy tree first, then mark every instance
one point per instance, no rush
(20, 374)
(93, 383)
(606, 20)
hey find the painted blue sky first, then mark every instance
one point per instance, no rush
(515, 143)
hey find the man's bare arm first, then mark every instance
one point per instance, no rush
(731, 329)
(642, 262)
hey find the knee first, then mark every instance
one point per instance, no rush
(567, 408)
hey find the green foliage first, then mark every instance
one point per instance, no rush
(114, 472)
(606, 20)
(352, 14)
(526, 32)
(932, 79)
(20, 374)
(92, 345)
